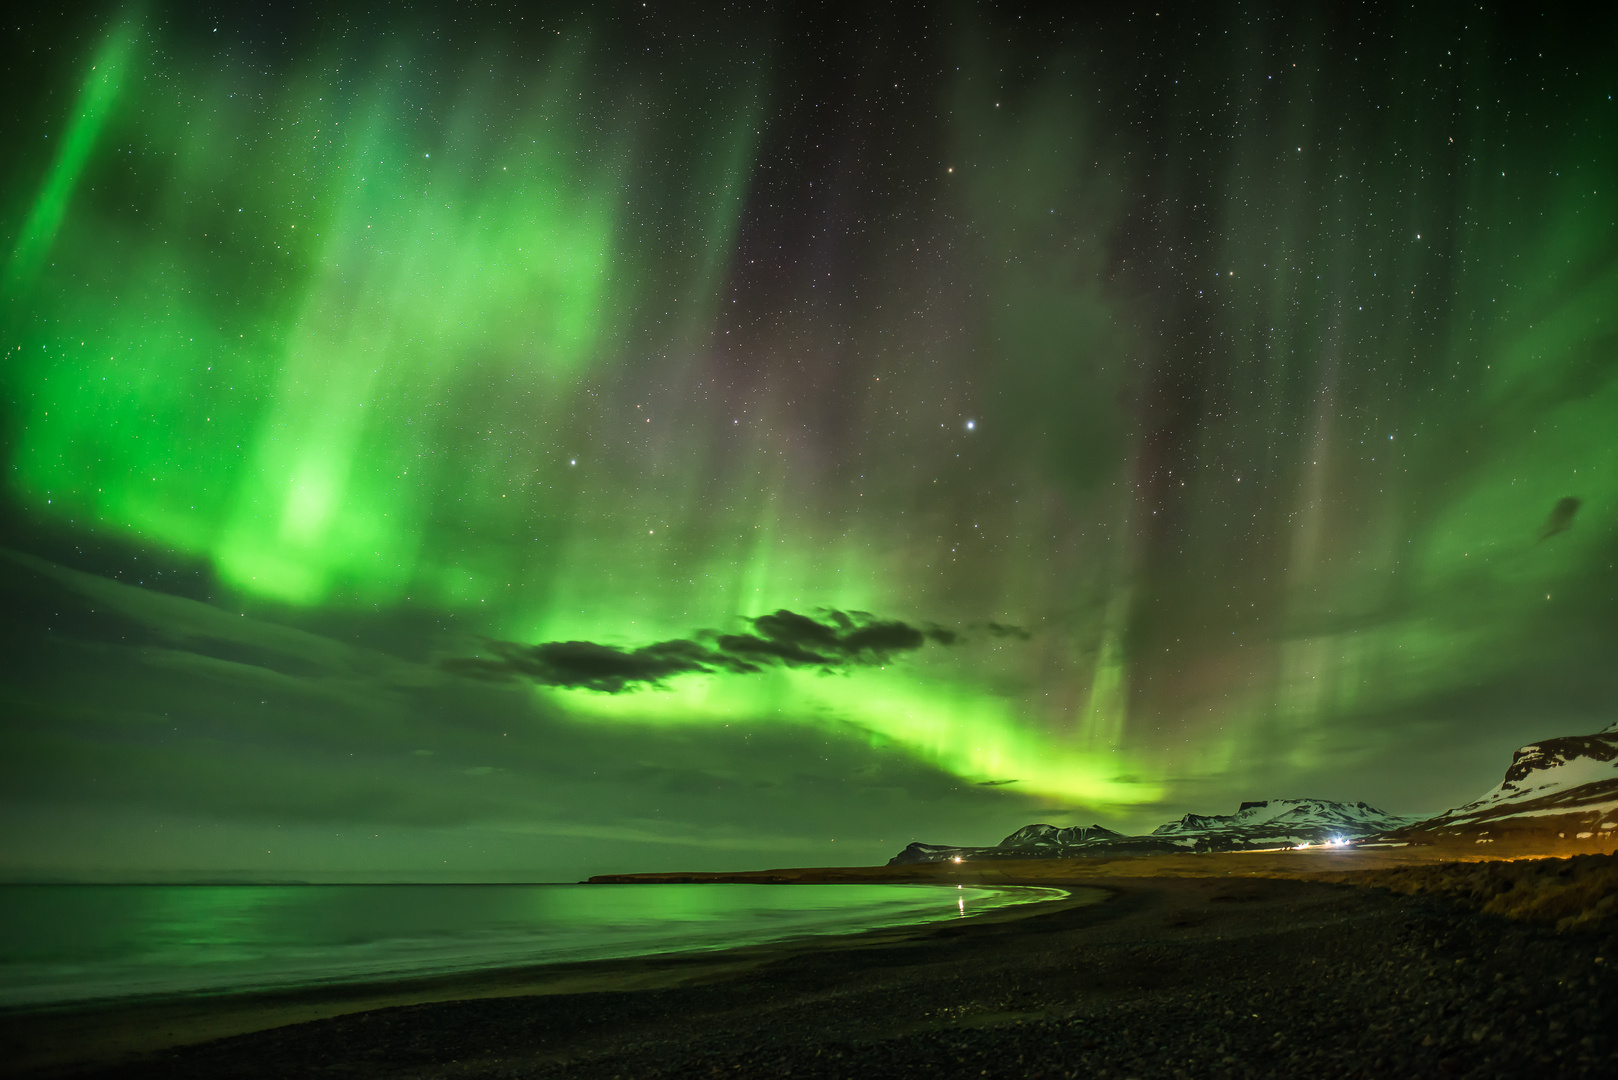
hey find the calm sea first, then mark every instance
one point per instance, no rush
(70, 943)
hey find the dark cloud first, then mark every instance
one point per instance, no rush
(783, 638)
(995, 783)
(1005, 630)
(585, 664)
(1561, 517)
(747, 648)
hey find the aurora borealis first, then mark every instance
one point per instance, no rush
(936, 420)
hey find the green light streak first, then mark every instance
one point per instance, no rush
(99, 93)
(419, 267)
(437, 299)
(971, 733)
(405, 333)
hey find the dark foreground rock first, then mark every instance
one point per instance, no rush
(1169, 978)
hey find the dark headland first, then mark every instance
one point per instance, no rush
(1418, 961)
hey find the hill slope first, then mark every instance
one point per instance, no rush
(1560, 792)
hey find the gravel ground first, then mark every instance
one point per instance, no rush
(1169, 978)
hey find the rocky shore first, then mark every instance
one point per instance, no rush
(1168, 977)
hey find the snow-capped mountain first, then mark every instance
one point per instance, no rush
(1266, 823)
(1558, 793)
(1281, 823)
(1567, 786)
(1042, 837)
(1028, 842)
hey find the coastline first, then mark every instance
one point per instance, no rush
(79, 1039)
(1240, 965)
(1315, 863)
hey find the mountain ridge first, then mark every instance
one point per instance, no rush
(1557, 794)
(1256, 825)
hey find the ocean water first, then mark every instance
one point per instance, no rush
(62, 944)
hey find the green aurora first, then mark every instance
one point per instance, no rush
(1225, 400)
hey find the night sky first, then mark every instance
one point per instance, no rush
(513, 443)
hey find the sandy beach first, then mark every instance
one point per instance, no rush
(1218, 967)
